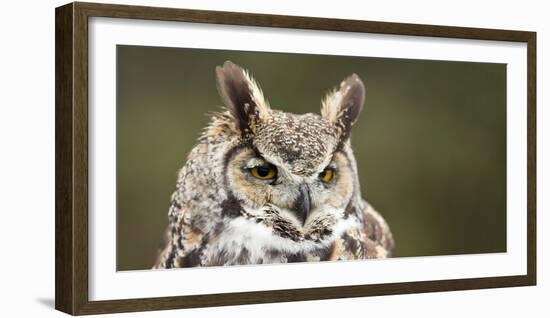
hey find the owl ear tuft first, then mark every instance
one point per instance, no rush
(242, 97)
(343, 105)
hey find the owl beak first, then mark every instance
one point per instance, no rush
(303, 203)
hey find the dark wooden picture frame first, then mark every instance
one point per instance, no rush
(71, 220)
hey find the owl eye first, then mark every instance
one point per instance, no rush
(326, 175)
(266, 172)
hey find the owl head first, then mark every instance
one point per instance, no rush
(294, 169)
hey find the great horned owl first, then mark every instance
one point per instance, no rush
(266, 186)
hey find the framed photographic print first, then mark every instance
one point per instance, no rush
(211, 158)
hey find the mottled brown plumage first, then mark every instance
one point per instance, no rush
(265, 186)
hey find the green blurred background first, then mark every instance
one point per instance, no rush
(430, 143)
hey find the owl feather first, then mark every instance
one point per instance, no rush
(265, 186)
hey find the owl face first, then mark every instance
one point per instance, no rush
(296, 171)
(305, 177)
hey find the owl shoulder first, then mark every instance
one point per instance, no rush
(379, 238)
